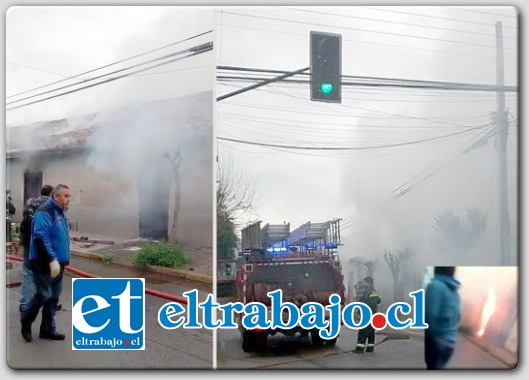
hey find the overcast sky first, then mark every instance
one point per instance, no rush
(47, 44)
(430, 43)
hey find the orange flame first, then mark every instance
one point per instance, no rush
(488, 310)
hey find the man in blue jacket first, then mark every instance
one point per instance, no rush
(32, 205)
(49, 253)
(442, 310)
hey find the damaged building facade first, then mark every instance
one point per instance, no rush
(141, 170)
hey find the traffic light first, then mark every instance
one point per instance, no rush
(325, 67)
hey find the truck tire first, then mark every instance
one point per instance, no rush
(260, 341)
(248, 341)
(317, 341)
(332, 342)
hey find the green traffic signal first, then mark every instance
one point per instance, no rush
(325, 67)
(326, 88)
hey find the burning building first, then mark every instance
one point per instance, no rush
(141, 170)
(489, 305)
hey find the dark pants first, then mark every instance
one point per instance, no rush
(8, 231)
(47, 292)
(367, 333)
(437, 352)
(26, 289)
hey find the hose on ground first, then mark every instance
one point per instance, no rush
(81, 273)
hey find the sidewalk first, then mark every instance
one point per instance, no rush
(123, 251)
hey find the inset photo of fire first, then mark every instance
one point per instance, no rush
(472, 313)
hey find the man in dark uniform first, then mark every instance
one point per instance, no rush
(10, 211)
(369, 296)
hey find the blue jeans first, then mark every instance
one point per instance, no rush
(26, 289)
(47, 292)
(437, 352)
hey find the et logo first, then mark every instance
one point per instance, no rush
(108, 314)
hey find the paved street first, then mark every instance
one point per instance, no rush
(393, 350)
(177, 348)
(182, 348)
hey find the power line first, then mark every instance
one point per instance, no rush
(348, 115)
(375, 81)
(422, 94)
(435, 17)
(475, 143)
(112, 64)
(181, 52)
(377, 111)
(304, 122)
(193, 51)
(370, 42)
(388, 122)
(403, 84)
(402, 189)
(370, 110)
(392, 22)
(139, 75)
(172, 71)
(36, 69)
(351, 148)
(365, 30)
(323, 134)
(482, 12)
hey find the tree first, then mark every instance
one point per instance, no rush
(457, 234)
(370, 267)
(398, 266)
(235, 196)
(226, 237)
(174, 159)
(359, 267)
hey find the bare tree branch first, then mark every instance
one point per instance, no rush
(175, 160)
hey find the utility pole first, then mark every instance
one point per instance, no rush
(502, 125)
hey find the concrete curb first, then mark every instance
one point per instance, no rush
(187, 275)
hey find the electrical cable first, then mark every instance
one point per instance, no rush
(107, 74)
(111, 64)
(367, 30)
(193, 51)
(349, 148)
(434, 17)
(393, 22)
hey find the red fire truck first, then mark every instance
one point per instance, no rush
(303, 263)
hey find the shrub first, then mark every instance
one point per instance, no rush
(163, 255)
(107, 258)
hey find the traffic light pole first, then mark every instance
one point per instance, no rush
(260, 84)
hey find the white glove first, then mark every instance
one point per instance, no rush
(55, 268)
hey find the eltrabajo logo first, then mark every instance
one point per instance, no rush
(108, 314)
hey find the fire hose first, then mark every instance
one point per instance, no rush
(81, 273)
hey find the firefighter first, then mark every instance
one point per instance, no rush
(10, 211)
(369, 296)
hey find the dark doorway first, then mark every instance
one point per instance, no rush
(154, 183)
(32, 184)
